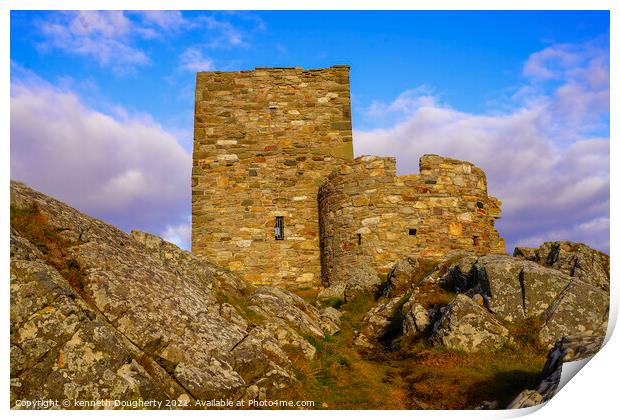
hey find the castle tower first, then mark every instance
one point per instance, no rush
(264, 141)
(372, 217)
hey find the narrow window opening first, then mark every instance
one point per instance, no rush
(359, 238)
(279, 229)
(413, 231)
(476, 240)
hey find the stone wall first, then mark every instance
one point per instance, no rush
(368, 215)
(264, 141)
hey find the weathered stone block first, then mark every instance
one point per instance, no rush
(455, 229)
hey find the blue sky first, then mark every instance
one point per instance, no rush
(524, 95)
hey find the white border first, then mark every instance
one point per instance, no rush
(591, 395)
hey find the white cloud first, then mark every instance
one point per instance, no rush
(164, 19)
(128, 171)
(103, 35)
(124, 187)
(561, 61)
(222, 33)
(108, 24)
(192, 60)
(156, 24)
(594, 232)
(181, 235)
(540, 159)
(579, 77)
(544, 64)
(406, 103)
(114, 39)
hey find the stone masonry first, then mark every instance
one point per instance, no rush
(266, 140)
(370, 216)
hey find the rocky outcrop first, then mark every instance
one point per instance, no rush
(331, 294)
(571, 258)
(416, 318)
(467, 326)
(279, 304)
(378, 322)
(402, 276)
(442, 265)
(360, 280)
(455, 273)
(564, 350)
(515, 289)
(331, 316)
(490, 290)
(60, 345)
(579, 309)
(99, 314)
(288, 317)
(419, 313)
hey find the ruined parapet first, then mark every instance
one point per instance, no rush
(264, 140)
(370, 216)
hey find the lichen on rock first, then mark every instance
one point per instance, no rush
(89, 301)
(469, 327)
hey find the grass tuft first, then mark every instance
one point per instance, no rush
(33, 225)
(339, 377)
(429, 295)
(411, 374)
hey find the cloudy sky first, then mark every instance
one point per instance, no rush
(102, 103)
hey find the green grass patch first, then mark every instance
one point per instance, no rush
(241, 302)
(339, 378)
(525, 332)
(309, 294)
(411, 374)
(334, 302)
(429, 295)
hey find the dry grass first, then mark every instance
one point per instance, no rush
(339, 378)
(525, 333)
(33, 225)
(425, 267)
(444, 379)
(429, 295)
(412, 374)
(309, 294)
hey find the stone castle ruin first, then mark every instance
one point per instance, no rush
(278, 197)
